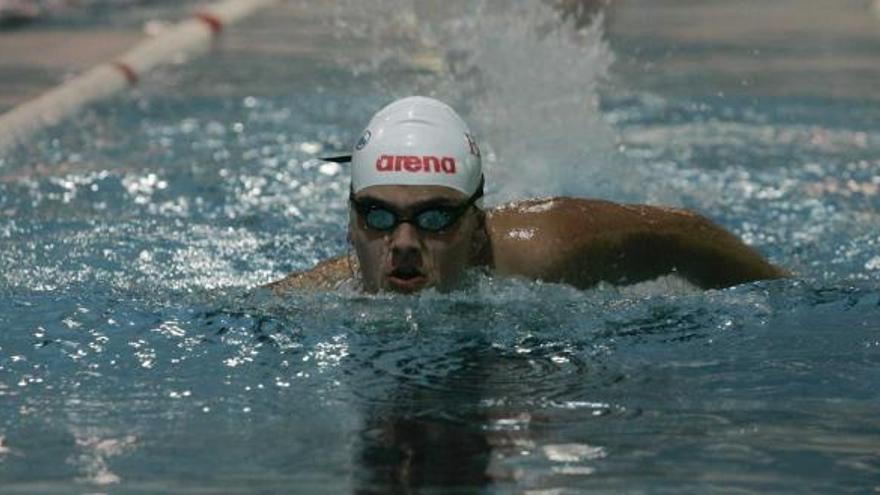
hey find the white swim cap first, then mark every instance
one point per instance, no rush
(417, 141)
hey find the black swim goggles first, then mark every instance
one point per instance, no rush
(380, 216)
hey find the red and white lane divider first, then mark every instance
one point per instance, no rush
(184, 40)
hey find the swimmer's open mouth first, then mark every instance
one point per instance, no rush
(407, 279)
(406, 273)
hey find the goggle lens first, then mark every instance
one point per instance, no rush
(380, 219)
(434, 220)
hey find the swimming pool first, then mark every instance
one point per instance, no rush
(135, 358)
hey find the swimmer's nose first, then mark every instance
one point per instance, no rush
(405, 246)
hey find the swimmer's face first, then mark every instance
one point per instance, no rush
(406, 258)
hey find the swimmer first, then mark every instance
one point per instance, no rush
(416, 221)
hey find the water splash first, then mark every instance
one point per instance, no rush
(526, 80)
(534, 100)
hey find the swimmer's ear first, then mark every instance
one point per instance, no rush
(337, 159)
(481, 245)
(348, 234)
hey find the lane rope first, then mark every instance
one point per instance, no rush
(189, 38)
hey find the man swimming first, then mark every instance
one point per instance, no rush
(415, 221)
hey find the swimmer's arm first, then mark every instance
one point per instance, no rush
(584, 242)
(648, 242)
(326, 275)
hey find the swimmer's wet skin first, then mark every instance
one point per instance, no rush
(415, 222)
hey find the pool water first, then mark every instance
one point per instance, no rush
(137, 355)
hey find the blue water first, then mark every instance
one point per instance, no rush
(136, 356)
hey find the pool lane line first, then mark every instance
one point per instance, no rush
(187, 39)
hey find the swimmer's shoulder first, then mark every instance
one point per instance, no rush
(558, 212)
(590, 215)
(534, 237)
(570, 223)
(584, 241)
(329, 274)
